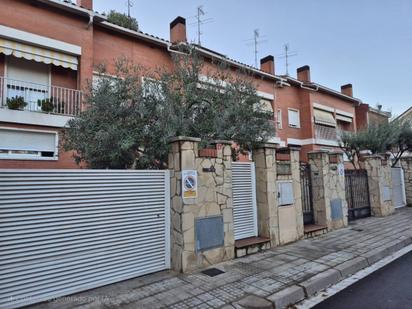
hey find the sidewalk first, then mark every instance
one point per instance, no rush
(282, 275)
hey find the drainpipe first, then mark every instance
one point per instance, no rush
(91, 17)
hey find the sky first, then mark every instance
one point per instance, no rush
(364, 42)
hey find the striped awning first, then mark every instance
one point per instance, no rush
(343, 118)
(324, 118)
(29, 52)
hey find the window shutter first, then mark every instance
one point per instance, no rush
(27, 140)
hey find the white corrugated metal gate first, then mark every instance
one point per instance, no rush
(65, 231)
(398, 187)
(244, 200)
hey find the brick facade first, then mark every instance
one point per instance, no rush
(103, 43)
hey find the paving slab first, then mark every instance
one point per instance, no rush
(352, 266)
(320, 281)
(277, 277)
(289, 296)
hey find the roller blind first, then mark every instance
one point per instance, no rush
(343, 118)
(324, 118)
(28, 71)
(27, 140)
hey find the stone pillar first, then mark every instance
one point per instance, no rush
(265, 164)
(406, 164)
(380, 186)
(213, 201)
(328, 189)
(290, 217)
(297, 189)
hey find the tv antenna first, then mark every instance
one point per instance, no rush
(129, 4)
(200, 21)
(257, 39)
(287, 54)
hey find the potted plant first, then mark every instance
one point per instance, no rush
(51, 104)
(46, 105)
(16, 102)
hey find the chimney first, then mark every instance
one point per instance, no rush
(87, 4)
(267, 64)
(347, 90)
(178, 30)
(304, 73)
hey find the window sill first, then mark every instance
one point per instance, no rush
(27, 158)
(293, 127)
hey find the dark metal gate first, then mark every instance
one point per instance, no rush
(306, 187)
(357, 194)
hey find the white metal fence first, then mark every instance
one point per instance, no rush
(64, 231)
(244, 200)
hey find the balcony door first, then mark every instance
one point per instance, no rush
(27, 79)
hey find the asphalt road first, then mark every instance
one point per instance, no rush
(388, 288)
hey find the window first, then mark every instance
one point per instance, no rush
(250, 155)
(345, 157)
(29, 145)
(99, 78)
(153, 87)
(279, 118)
(27, 79)
(294, 118)
(266, 106)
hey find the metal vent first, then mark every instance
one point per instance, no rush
(336, 209)
(209, 233)
(212, 272)
(285, 193)
(387, 196)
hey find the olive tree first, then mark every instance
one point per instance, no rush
(129, 119)
(393, 137)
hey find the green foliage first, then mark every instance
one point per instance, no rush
(109, 132)
(16, 102)
(402, 142)
(352, 144)
(128, 123)
(394, 137)
(46, 105)
(123, 20)
(225, 106)
(51, 104)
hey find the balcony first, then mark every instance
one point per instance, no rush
(325, 133)
(21, 95)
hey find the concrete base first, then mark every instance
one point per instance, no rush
(251, 245)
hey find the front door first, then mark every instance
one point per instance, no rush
(306, 187)
(357, 194)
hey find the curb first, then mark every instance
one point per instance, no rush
(296, 293)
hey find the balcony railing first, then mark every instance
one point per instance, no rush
(39, 98)
(325, 133)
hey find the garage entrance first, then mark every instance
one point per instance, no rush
(65, 231)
